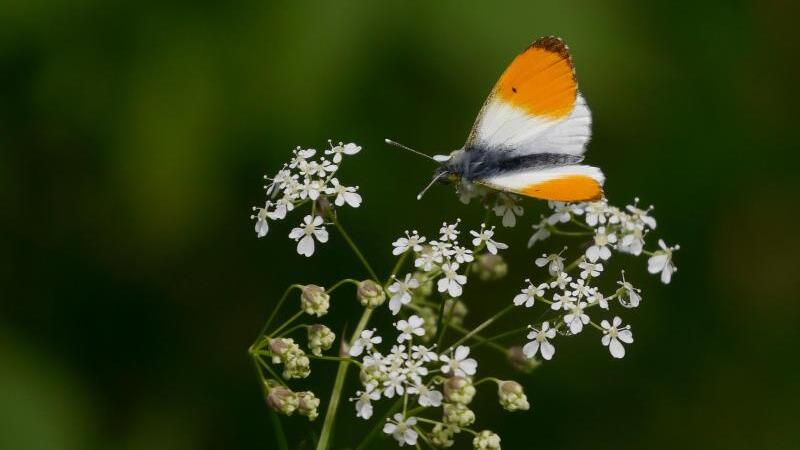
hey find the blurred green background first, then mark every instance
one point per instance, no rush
(134, 136)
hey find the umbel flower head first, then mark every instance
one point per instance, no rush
(314, 300)
(309, 178)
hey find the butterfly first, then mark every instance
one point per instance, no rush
(531, 133)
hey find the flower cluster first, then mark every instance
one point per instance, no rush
(504, 205)
(424, 379)
(295, 362)
(307, 180)
(287, 402)
(572, 291)
(442, 261)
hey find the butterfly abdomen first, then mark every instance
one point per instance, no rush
(480, 163)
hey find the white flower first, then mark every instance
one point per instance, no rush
(597, 297)
(589, 269)
(508, 210)
(262, 227)
(394, 384)
(402, 430)
(344, 194)
(632, 243)
(423, 353)
(449, 232)
(614, 335)
(540, 342)
(562, 212)
(581, 289)
(529, 294)
(485, 236)
(459, 364)
(596, 213)
(642, 215)
(540, 234)
(364, 401)
(366, 341)
(306, 233)
(401, 291)
(413, 326)
(428, 259)
(411, 241)
(414, 370)
(461, 254)
(311, 188)
(576, 318)
(427, 396)
(602, 241)
(562, 279)
(562, 301)
(452, 280)
(337, 151)
(556, 263)
(633, 294)
(661, 261)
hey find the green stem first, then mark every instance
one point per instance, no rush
(277, 426)
(483, 325)
(338, 384)
(287, 323)
(481, 340)
(397, 267)
(277, 307)
(379, 424)
(501, 336)
(355, 249)
(341, 283)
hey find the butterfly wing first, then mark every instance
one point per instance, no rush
(535, 106)
(534, 128)
(571, 183)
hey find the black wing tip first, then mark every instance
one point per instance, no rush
(553, 44)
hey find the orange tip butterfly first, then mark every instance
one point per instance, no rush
(530, 134)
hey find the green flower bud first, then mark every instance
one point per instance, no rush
(518, 360)
(282, 400)
(459, 390)
(490, 267)
(442, 435)
(307, 404)
(320, 338)
(486, 440)
(454, 311)
(458, 415)
(425, 284)
(314, 300)
(370, 294)
(512, 396)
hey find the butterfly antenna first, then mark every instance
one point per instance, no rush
(433, 181)
(399, 145)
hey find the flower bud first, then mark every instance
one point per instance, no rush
(372, 374)
(370, 294)
(297, 365)
(454, 311)
(425, 284)
(459, 390)
(429, 318)
(320, 338)
(490, 267)
(486, 440)
(279, 349)
(307, 404)
(442, 435)
(518, 360)
(314, 300)
(512, 396)
(282, 400)
(458, 415)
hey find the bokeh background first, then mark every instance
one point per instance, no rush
(134, 136)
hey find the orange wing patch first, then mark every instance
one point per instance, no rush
(571, 188)
(541, 79)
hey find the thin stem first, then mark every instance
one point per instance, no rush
(277, 426)
(483, 325)
(341, 283)
(334, 358)
(484, 380)
(338, 384)
(277, 307)
(481, 340)
(355, 249)
(397, 266)
(287, 323)
(501, 336)
(292, 330)
(271, 371)
(379, 424)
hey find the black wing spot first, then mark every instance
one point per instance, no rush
(513, 89)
